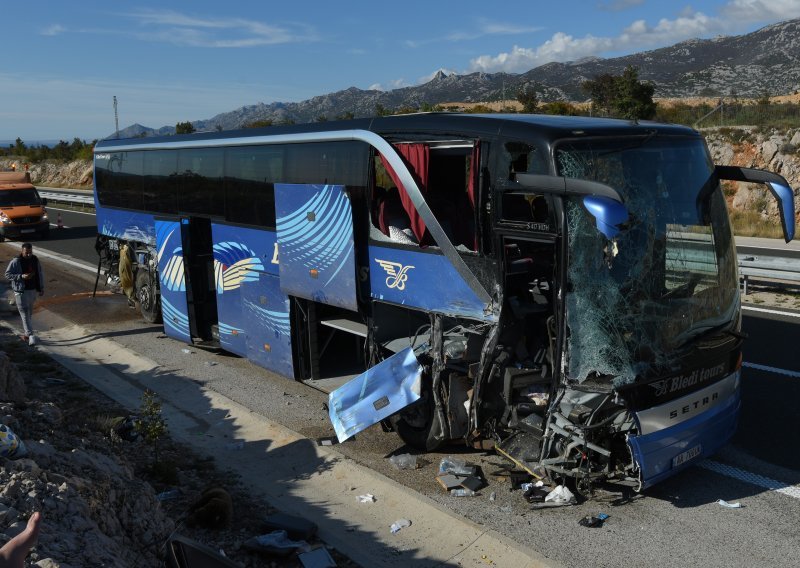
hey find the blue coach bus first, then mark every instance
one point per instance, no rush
(562, 289)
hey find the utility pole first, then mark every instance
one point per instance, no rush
(116, 116)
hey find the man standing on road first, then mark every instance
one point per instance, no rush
(25, 274)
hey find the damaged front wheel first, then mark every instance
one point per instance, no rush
(417, 424)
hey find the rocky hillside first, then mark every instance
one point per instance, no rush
(747, 65)
(747, 147)
(53, 173)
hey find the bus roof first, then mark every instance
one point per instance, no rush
(437, 123)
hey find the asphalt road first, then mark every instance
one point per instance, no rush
(679, 522)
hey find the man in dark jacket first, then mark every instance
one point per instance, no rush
(26, 277)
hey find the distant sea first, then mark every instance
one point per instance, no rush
(29, 143)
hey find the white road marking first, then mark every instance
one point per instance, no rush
(794, 374)
(776, 312)
(750, 477)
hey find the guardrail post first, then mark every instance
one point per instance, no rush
(744, 284)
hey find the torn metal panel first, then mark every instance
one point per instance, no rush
(382, 390)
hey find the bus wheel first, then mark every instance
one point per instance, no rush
(148, 300)
(414, 423)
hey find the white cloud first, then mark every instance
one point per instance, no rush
(484, 28)
(391, 85)
(639, 35)
(759, 11)
(53, 30)
(168, 26)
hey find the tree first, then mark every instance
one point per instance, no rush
(528, 98)
(634, 97)
(623, 96)
(184, 128)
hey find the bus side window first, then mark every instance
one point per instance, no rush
(522, 157)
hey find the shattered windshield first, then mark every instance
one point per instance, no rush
(633, 304)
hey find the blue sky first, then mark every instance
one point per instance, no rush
(170, 61)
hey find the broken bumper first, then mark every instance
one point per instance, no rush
(667, 451)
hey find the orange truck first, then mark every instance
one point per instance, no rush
(22, 209)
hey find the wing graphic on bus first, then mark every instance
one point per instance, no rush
(172, 277)
(235, 264)
(397, 274)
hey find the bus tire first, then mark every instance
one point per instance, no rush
(147, 297)
(414, 424)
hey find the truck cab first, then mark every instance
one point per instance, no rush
(22, 209)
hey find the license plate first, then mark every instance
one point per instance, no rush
(689, 454)
(27, 230)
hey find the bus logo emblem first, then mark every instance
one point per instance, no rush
(397, 273)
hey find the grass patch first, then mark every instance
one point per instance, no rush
(751, 224)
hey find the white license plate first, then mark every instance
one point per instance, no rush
(689, 454)
(27, 230)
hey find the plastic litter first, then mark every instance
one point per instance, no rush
(167, 495)
(528, 486)
(456, 466)
(462, 493)
(399, 525)
(535, 493)
(276, 542)
(404, 461)
(317, 558)
(730, 505)
(596, 521)
(186, 351)
(298, 528)
(493, 496)
(11, 446)
(560, 495)
(366, 498)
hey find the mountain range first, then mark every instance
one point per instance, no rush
(767, 60)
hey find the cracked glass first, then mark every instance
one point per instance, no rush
(635, 303)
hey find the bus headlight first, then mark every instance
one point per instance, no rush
(44, 215)
(4, 219)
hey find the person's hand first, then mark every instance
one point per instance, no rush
(27, 276)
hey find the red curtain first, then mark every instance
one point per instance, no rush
(417, 158)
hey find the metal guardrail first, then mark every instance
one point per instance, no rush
(82, 199)
(769, 264)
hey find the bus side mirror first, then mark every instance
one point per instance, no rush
(777, 185)
(601, 201)
(609, 215)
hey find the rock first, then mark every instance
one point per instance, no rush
(768, 150)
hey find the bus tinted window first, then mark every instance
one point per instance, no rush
(250, 173)
(200, 181)
(160, 181)
(119, 182)
(343, 163)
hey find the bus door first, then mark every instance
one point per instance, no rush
(201, 298)
(316, 248)
(172, 279)
(186, 278)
